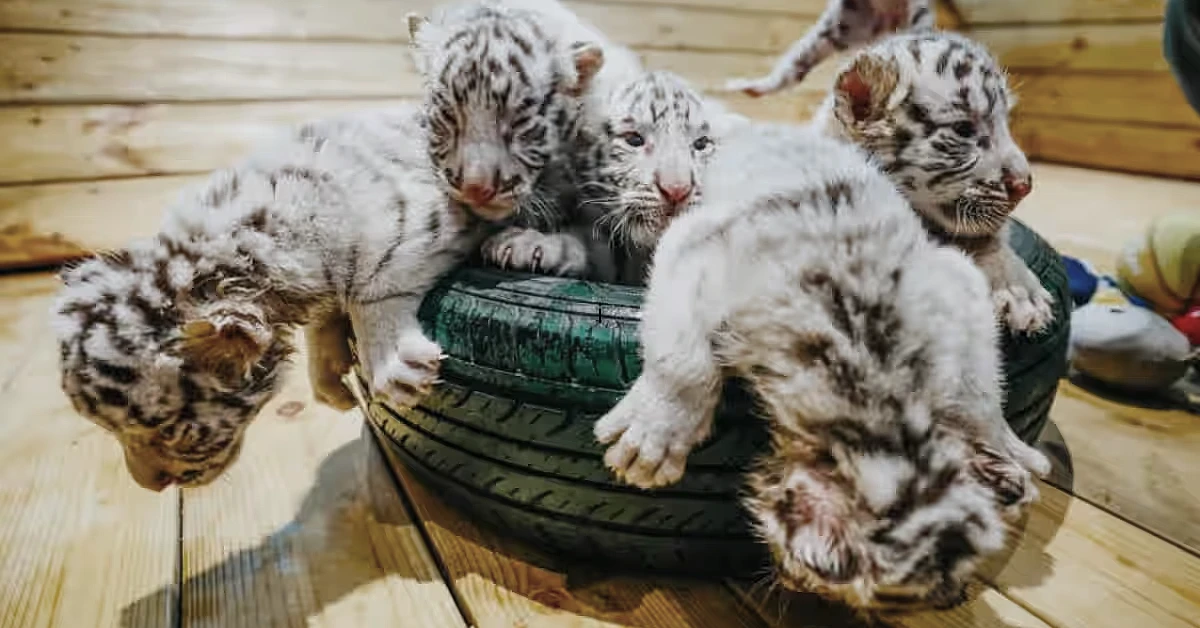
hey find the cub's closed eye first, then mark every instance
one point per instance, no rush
(633, 139)
(702, 143)
(964, 129)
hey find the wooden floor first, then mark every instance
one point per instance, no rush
(309, 528)
(108, 108)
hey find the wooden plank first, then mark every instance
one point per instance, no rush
(1092, 214)
(1104, 97)
(1125, 147)
(986, 608)
(79, 541)
(48, 223)
(642, 24)
(1078, 566)
(78, 142)
(1058, 11)
(502, 583)
(66, 142)
(1134, 462)
(66, 68)
(1092, 47)
(307, 529)
(363, 20)
(45, 224)
(70, 68)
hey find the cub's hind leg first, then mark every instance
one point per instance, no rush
(329, 358)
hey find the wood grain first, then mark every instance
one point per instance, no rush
(1085, 47)
(90, 69)
(307, 528)
(79, 541)
(503, 583)
(642, 24)
(364, 20)
(1125, 147)
(1077, 566)
(70, 68)
(65, 142)
(43, 224)
(1136, 463)
(80, 142)
(1092, 214)
(1132, 99)
(987, 608)
(1058, 11)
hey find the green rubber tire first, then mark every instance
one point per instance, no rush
(533, 361)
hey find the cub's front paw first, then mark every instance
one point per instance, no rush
(651, 446)
(1011, 483)
(530, 250)
(1023, 309)
(410, 372)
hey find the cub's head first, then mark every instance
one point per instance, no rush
(502, 94)
(933, 111)
(658, 136)
(880, 530)
(176, 383)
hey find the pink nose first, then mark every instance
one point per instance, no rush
(1017, 187)
(478, 194)
(675, 193)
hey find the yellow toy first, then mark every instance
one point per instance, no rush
(1163, 266)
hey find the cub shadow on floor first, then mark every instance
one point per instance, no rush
(331, 548)
(1184, 395)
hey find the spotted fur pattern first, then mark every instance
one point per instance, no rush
(509, 86)
(932, 110)
(174, 344)
(644, 166)
(843, 25)
(872, 350)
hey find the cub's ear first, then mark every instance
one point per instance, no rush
(861, 91)
(588, 58)
(416, 22)
(226, 343)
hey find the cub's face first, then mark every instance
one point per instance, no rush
(658, 138)
(176, 395)
(501, 96)
(933, 110)
(877, 530)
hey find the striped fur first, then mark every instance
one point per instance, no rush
(644, 165)
(509, 86)
(174, 344)
(843, 25)
(932, 110)
(871, 348)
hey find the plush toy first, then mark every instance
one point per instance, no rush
(1082, 280)
(1189, 324)
(1127, 347)
(1163, 266)
(1137, 331)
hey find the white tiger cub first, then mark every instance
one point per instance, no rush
(644, 167)
(932, 110)
(174, 344)
(509, 86)
(872, 350)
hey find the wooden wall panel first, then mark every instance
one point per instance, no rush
(641, 24)
(1058, 11)
(1097, 94)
